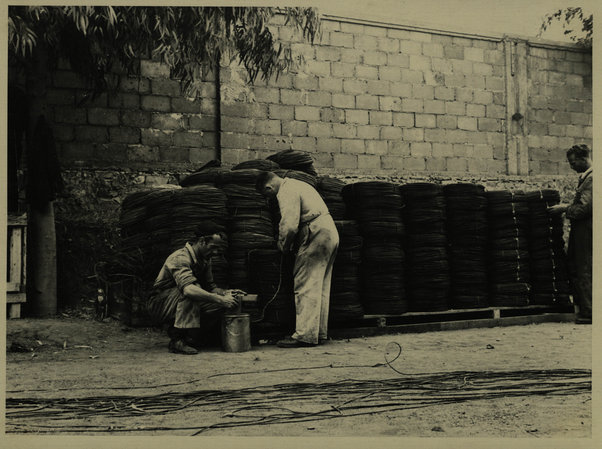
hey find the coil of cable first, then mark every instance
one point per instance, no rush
(330, 189)
(298, 175)
(428, 270)
(258, 164)
(549, 273)
(377, 206)
(295, 160)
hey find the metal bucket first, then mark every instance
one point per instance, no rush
(236, 332)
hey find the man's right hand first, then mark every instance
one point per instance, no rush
(228, 300)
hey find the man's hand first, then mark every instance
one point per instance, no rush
(220, 291)
(229, 301)
(558, 209)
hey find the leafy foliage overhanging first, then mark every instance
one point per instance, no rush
(570, 17)
(100, 40)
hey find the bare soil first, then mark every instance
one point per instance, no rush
(76, 358)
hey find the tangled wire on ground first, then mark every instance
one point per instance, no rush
(272, 404)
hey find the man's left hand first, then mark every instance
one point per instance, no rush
(220, 291)
(558, 209)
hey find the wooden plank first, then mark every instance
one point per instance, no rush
(13, 287)
(451, 325)
(14, 298)
(459, 311)
(15, 267)
(14, 311)
(24, 258)
(16, 220)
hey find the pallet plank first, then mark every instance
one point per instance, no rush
(15, 255)
(14, 298)
(14, 311)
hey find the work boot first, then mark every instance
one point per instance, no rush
(290, 342)
(179, 347)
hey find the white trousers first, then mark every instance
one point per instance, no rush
(318, 244)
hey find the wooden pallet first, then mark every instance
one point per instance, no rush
(16, 263)
(415, 322)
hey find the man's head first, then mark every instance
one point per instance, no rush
(208, 239)
(579, 158)
(268, 184)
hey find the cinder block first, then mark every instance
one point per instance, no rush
(419, 149)
(410, 47)
(319, 98)
(389, 103)
(388, 45)
(330, 84)
(292, 97)
(462, 66)
(338, 39)
(453, 52)
(477, 165)
(381, 118)
(366, 72)
(557, 130)
(423, 91)
(156, 137)
(294, 128)
(389, 73)
(378, 87)
(365, 42)
(436, 164)
(390, 133)
(174, 154)
(467, 123)
(323, 160)
(318, 68)
(97, 134)
(495, 83)
(392, 162)
(124, 135)
(153, 69)
(368, 132)
(548, 168)
(399, 148)
(366, 102)
(208, 106)
(200, 122)
(414, 163)
(443, 150)
(483, 96)
(426, 121)
(328, 53)
(69, 115)
(480, 68)
(344, 130)
(352, 86)
(373, 58)
(432, 49)
(413, 105)
(413, 134)
(281, 112)
(142, 153)
(345, 161)
(368, 161)
(474, 54)
(463, 150)
(475, 137)
(444, 93)
(304, 144)
(489, 124)
(457, 164)
(356, 116)
(269, 127)
(420, 36)
(474, 81)
(483, 151)
(455, 108)
(435, 135)
(581, 118)
(447, 121)
(161, 120)
(307, 113)
(68, 80)
(60, 97)
(155, 103)
(303, 81)
(376, 147)
(495, 111)
(328, 145)
(168, 87)
(442, 66)
(434, 107)
(398, 60)
(399, 89)
(134, 85)
(234, 140)
(186, 105)
(200, 155)
(102, 116)
(319, 129)
(398, 34)
(266, 94)
(475, 110)
(344, 101)
(352, 55)
(412, 76)
(332, 115)
(455, 80)
(403, 119)
(420, 63)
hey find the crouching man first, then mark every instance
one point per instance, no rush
(185, 289)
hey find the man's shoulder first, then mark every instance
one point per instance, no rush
(180, 255)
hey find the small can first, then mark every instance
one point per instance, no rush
(236, 332)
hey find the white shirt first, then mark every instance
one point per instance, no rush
(299, 203)
(586, 173)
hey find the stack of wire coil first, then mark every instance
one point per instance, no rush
(345, 300)
(272, 273)
(295, 160)
(547, 258)
(509, 271)
(298, 175)
(135, 241)
(249, 223)
(428, 264)
(467, 237)
(330, 189)
(201, 204)
(377, 208)
(258, 164)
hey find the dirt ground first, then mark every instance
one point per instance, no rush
(90, 362)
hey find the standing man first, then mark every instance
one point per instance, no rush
(580, 237)
(185, 287)
(307, 227)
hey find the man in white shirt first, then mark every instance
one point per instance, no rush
(580, 237)
(307, 227)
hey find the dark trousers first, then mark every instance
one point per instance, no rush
(208, 334)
